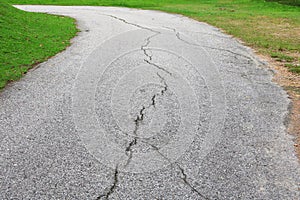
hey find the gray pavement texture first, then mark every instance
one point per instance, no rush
(146, 105)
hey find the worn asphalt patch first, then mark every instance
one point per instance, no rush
(146, 105)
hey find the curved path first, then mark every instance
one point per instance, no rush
(146, 105)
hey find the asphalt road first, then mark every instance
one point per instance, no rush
(146, 105)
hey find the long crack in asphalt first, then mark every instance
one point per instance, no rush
(132, 24)
(157, 66)
(184, 177)
(112, 188)
(140, 117)
(257, 62)
(149, 56)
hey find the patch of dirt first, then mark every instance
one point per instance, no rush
(291, 83)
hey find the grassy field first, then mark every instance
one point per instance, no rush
(29, 38)
(273, 29)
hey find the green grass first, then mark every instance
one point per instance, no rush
(293, 67)
(271, 28)
(29, 38)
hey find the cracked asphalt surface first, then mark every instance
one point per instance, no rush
(146, 105)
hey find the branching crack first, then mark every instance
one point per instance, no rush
(129, 151)
(143, 47)
(215, 48)
(138, 120)
(149, 56)
(132, 143)
(113, 186)
(140, 117)
(130, 23)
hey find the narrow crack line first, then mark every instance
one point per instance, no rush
(172, 29)
(164, 90)
(140, 118)
(129, 158)
(143, 47)
(184, 175)
(153, 101)
(251, 58)
(113, 187)
(149, 57)
(141, 115)
(215, 48)
(158, 67)
(164, 82)
(157, 150)
(132, 143)
(203, 33)
(146, 54)
(185, 180)
(133, 24)
(129, 151)
(229, 51)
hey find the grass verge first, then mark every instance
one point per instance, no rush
(29, 38)
(271, 28)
